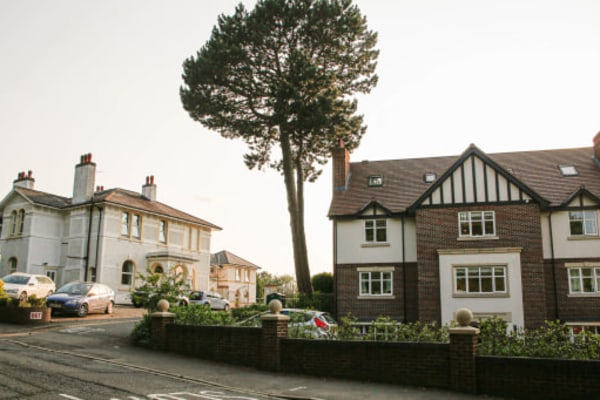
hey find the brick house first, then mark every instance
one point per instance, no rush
(513, 235)
(101, 235)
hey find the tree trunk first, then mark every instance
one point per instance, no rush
(296, 216)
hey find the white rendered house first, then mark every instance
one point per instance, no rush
(106, 236)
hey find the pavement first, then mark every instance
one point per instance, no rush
(276, 384)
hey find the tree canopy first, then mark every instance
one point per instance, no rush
(282, 77)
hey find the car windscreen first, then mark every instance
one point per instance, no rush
(75, 288)
(16, 279)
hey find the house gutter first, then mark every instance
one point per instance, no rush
(405, 297)
(553, 263)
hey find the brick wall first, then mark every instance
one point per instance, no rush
(415, 364)
(570, 308)
(516, 226)
(219, 343)
(537, 378)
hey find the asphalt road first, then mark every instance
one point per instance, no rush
(92, 358)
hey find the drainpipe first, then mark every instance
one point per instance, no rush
(553, 263)
(100, 209)
(89, 239)
(404, 271)
(335, 283)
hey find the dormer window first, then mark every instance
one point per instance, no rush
(568, 170)
(375, 180)
(429, 177)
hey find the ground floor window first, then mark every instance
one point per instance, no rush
(127, 273)
(376, 283)
(584, 280)
(480, 280)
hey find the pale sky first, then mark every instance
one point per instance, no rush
(103, 77)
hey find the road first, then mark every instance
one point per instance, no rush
(92, 358)
(69, 364)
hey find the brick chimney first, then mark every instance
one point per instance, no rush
(340, 167)
(24, 180)
(149, 189)
(597, 148)
(85, 175)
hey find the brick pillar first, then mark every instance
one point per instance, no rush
(463, 350)
(274, 327)
(158, 329)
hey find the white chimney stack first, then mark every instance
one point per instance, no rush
(85, 175)
(149, 189)
(24, 180)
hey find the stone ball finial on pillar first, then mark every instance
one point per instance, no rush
(275, 306)
(162, 305)
(463, 316)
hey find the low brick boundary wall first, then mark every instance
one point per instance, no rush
(453, 365)
(218, 343)
(538, 378)
(415, 364)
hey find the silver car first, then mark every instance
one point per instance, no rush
(214, 299)
(19, 285)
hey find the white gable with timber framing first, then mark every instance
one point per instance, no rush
(476, 179)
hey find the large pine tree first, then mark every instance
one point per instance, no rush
(282, 77)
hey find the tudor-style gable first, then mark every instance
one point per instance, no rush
(476, 179)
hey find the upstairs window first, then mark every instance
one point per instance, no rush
(583, 223)
(429, 177)
(12, 265)
(21, 221)
(163, 231)
(125, 224)
(584, 280)
(476, 223)
(136, 226)
(376, 231)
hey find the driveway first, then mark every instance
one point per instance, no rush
(120, 311)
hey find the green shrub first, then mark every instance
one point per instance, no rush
(140, 335)
(347, 329)
(200, 314)
(3, 294)
(243, 313)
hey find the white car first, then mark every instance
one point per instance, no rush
(19, 285)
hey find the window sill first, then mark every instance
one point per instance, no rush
(583, 237)
(583, 295)
(476, 238)
(481, 295)
(382, 297)
(382, 244)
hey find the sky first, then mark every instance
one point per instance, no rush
(103, 77)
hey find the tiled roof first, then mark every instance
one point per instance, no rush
(116, 196)
(403, 181)
(46, 199)
(225, 257)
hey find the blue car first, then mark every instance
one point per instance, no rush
(81, 298)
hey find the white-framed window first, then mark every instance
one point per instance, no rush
(127, 271)
(21, 221)
(376, 283)
(476, 223)
(12, 265)
(480, 280)
(583, 223)
(376, 180)
(51, 273)
(375, 231)
(238, 274)
(163, 231)
(125, 224)
(584, 280)
(136, 226)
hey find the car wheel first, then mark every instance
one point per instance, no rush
(226, 308)
(183, 303)
(23, 296)
(83, 310)
(109, 308)
(49, 293)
